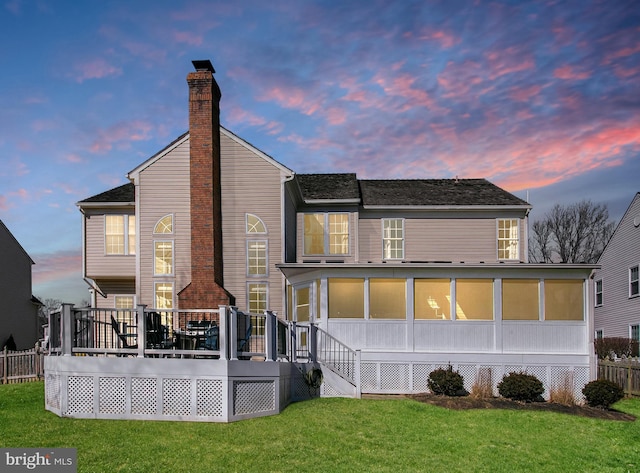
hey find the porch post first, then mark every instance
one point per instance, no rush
(233, 334)
(293, 336)
(223, 335)
(313, 343)
(271, 349)
(356, 374)
(66, 329)
(141, 324)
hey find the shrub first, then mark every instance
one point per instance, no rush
(602, 393)
(446, 382)
(610, 347)
(521, 387)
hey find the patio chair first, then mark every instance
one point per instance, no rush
(211, 338)
(244, 320)
(155, 331)
(123, 337)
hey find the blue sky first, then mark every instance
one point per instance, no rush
(541, 98)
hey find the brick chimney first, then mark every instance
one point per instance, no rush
(206, 289)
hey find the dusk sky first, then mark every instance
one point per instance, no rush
(541, 98)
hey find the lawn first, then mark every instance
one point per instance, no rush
(333, 435)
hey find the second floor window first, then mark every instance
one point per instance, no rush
(163, 257)
(120, 235)
(598, 292)
(393, 238)
(508, 239)
(634, 281)
(326, 234)
(257, 258)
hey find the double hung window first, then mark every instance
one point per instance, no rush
(393, 238)
(326, 234)
(508, 247)
(634, 281)
(120, 235)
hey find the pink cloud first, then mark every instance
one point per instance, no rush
(570, 73)
(400, 85)
(95, 69)
(624, 72)
(446, 39)
(122, 133)
(508, 61)
(43, 125)
(73, 158)
(4, 203)
(52, 266)
(243, 117)
(457, 79)
(188, 37)
(524, 94)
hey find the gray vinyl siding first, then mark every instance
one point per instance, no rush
(162, 189)
(98, 263)
(250, 184)
(618, 310)
(437, 239)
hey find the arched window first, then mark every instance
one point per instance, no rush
(255, 225)
(164, 225)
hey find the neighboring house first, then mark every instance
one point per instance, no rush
(19, 322)
(616, 285)
(415, 274)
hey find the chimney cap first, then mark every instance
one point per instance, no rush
(203, 65)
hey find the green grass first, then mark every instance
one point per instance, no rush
(333, 435)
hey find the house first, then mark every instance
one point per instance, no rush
(411, 275)
(616, 284)
(19, 322)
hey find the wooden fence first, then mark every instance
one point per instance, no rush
(625, 373)
(22, 366)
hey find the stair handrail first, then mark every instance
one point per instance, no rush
(336, 355)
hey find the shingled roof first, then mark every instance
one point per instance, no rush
(405, 192)
(123, 193)
(329, 186)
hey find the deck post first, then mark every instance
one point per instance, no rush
(141, 324)
(356, 374)
(313, 343)
(66, 329)
(223, 330)
(294, 341)
(233, 334)
(271, 325)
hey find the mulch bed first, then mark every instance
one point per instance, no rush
(468, 402)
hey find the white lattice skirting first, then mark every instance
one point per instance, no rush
(411, 376)
(169, 389)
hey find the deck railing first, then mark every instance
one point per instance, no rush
(224, 333)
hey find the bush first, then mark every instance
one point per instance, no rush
(610, 347)
(521, 387)
(562, 392)
(446, 382)
(602, 393)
